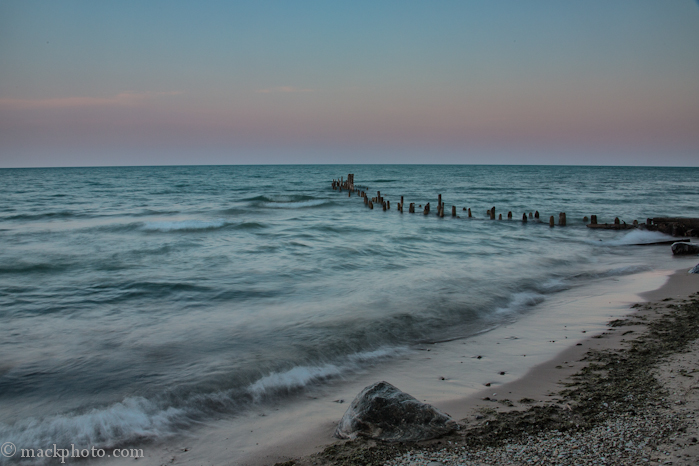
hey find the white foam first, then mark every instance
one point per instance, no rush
(176, 225)
(132, 419)
(521, 301)
(295, 378)
(553, 285)
(637, 237)
(381, 353)
(295, 205)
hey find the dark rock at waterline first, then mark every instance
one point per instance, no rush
(383, 412)
(684, 248)
(694, 269)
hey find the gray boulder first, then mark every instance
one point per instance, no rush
(695, 269)
(684, 248)
(383, 412)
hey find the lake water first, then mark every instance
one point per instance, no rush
(138, 302)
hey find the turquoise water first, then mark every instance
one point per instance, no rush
(136, 302)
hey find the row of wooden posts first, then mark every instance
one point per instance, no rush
(348, 185)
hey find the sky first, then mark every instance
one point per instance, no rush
(599, 82)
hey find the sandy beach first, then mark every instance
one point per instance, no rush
(564, 411)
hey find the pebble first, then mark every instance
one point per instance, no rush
(621, 440)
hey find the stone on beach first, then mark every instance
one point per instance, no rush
(684, 248)
(381, 411)
(694, 269)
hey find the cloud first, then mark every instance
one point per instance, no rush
(282, 89)
(123, 99)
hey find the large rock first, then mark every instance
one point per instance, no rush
(381, 411)
(694, 269)
(684, 248)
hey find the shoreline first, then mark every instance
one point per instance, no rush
(447, 375)
(541, 394)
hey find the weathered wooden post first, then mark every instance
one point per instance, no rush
(530, 216)
(366, 200)
(411, 208)
(453, 211)
(635, 223)
(562, 219)
(371, 205)
(616, 221)
(593, 219)
(441, 211)
(509, 215)
(500, 217)
(427, 209)
(551, 222)
(536, 215)
(439, 201)
(585, 219)
(388, 205)
(492, 213)
(469, 212)
(524, 217)
(384, 206)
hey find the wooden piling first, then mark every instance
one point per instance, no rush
(388, 205)
(411, 208)
(500, 217)
(371, 205)
(551, 222)
(492, 213)
(453, 211)
(469, 212)
(427, 209)
(585, 219)
(536, 215)
(524, 217)
(593, 219)
(509, 215)
(616, 221)
(531, 216)
(562, 219)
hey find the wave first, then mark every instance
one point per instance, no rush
(521, 301)
(24, 267)
(635, 237)
(133, 419)
(296, 201)
(137, 419)
(44, 216)
(298, 377)
(184, 225)
(615, 272)
(296, 205)
(284, 198)
(151, 212)
(293, 379)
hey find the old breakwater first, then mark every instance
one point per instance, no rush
(674, 226)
